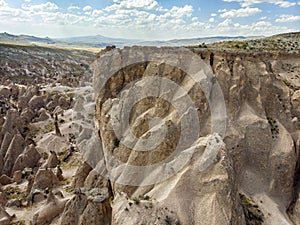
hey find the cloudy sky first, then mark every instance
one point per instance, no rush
(149, 19)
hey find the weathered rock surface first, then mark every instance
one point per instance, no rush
(259, 155)
(15, 148)
(5, 218)
(3, 199)
(28, 159)
(45, 178)
(46, 214)
(88, 207)
(246, 175)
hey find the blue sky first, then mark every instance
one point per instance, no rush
(149, 19)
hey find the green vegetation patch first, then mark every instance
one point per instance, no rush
(14, 193)
(253, 214)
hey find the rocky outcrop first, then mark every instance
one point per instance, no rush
(44, 178)
(52, 209)
(28, 159)
(15, 148)
(258, 156)
(88, 206)
(194, 170)
(5, 218)
(52, 161)
(3, 199)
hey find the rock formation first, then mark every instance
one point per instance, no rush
(245, 174)
(259, 155)
(46, 214)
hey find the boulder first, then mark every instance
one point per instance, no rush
(5, 180)
(17, 176)
(5, 218)
(52, 161)
(15, 148)
(5, 143)
(63, 103)
(52, 209)
(14, 203)
(3, 199)
(12, 122)
(43, 116)
(81, 175)
(26, 116)
(74, 208)
(28, 159)
(5, 92)
(38, 196)
(45, 178)
(36, 102)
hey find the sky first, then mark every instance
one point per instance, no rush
(149, 19)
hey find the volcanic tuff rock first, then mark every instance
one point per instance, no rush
(51, 210)
(259, 157)
(252, 179)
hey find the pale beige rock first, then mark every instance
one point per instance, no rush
(74, 208)
(52, 209)
(3, 199)
(12, 122)
(81, 175)
(5, 92)
(261, 103)
(36, 102)
(52, 161)
(26, 116)
(15, 148)
(14, 203)
(37, 196)
(63, 103)
(5, 180)
(43, 116)
(17, 176)
(5, 144)
(28, 159)
(5, 218)
(44, 178)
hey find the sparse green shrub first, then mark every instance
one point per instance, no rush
(251, 210)
(116, 142)
(274, 127)
(14, 193)
(136, 201)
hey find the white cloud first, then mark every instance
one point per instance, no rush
(87, 8)
(280, 3)
(211, 20)
(96, 12)
(72, 8)
(27, 0)
(225, 23)
(213, 14)
(227, 27)
(48, 6)
(243, 12)
(287, 19)
(3, 3)
(133, 4)
(180, 12)
(285, 4)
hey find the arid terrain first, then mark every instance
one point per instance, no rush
(45, 178)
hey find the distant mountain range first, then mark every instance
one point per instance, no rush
(100, 41)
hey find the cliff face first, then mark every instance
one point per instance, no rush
(253, 175)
